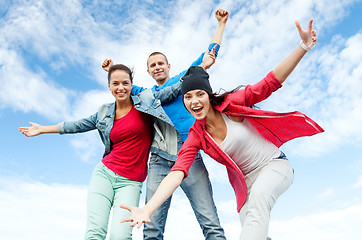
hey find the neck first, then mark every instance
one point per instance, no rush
(161, 82)
(212, 117)
(124, 105)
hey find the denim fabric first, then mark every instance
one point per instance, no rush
(197, 188)
(146, 101)
(108, 190)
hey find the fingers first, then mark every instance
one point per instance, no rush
(221, 13)
(106, 62)
(311, 24)
(128, 219)
(24, 130)
(125, 206)
(297, 24)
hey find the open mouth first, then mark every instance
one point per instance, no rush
(197, 110)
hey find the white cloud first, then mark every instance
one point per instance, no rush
(336, 94)
(40, 210)
(35, 210)
(22, 89)
(334, 225)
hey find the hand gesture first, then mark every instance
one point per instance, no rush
(221, 15)
(32, 131)
(138, 216)
(309, 37)
(107, 64)
(209, 59)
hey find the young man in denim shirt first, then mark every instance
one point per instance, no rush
(164, 150)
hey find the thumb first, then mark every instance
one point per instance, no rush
(297, 24)
(124, 206)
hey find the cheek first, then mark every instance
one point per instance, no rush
(187, 105)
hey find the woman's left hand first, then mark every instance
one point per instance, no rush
(309, 37)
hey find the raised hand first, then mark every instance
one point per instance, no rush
(309, 37)
(34, 130)
(209, 59)
(221, 15)
(138, 216)
(107, 64)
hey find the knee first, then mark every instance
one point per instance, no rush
(121, 232)
(96, 233)
(261, 200)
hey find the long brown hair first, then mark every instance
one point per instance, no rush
(218, 98)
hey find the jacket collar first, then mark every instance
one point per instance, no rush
(112, 109)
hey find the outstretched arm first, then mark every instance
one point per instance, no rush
(222, 17)
(37, 129)
(163, 192)
(309, 39)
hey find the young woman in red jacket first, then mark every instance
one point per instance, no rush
(244, 139)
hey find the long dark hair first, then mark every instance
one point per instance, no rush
(218, 98)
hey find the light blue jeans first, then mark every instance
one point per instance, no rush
(197, 188)
(265, 184)
(106, 190)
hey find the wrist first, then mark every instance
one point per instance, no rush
(302, 45)
(203, 66)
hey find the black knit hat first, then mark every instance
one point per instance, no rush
(195, 78)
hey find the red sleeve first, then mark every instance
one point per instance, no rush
(187, 153)
(255, 93)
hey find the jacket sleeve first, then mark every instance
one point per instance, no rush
(255, 93)
(169, 93)
(187, 154)
(82, 125)
(136, 90)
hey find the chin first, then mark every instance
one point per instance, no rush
(199, 117)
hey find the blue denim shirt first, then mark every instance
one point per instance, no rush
(148, 102)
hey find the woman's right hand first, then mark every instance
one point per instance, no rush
(32, 131)
(138, 216)
(107, 64)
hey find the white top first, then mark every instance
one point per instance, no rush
(245, 146)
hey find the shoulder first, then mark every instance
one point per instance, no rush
(146, 97)
(105, 109)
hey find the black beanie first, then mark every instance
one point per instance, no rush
(195, 78)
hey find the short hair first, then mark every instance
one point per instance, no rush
(122, 68)
(157, 53)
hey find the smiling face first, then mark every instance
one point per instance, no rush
(197, 102)
(120, 85)
(158, 68)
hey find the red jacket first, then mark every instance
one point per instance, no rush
(278, 128)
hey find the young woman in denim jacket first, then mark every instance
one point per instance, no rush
(244, 139)
(127, 135)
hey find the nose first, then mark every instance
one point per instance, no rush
(194, 101)
(120, 87)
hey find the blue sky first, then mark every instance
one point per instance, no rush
(50, 71)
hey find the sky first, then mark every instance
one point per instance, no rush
(50, 71)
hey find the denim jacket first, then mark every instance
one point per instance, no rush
(165, 140)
